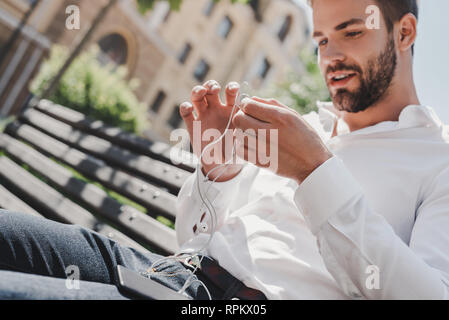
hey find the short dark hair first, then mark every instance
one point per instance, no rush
(395, 10)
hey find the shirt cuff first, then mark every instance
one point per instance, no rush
(327, 190)
(218, 192)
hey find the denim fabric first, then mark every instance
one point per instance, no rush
(22, 286)
(39, 246)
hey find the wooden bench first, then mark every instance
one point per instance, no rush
(60, 164)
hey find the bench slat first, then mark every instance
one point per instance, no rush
(156, 150)
(61, 208)
(56, 205)
(10, 202)
(151, 197)
(132, 220)
(154, 170)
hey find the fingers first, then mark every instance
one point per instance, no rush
(198, 98)
(245, 149)
(257, 149)
(232, 91)
(267, 101)
(186, 112)
(248, 123)
(213, 93)
(273, 102)
(208, 95)
(263, 111)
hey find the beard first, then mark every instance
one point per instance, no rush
(374, 83)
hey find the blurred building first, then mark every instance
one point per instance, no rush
(123, 41)
(227, 42)
(169, 52)
(19, 63)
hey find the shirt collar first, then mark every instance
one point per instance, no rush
(410, 117)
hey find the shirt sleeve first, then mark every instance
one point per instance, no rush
(224, 196)
(360, 248)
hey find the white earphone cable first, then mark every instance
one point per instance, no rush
(205, 203)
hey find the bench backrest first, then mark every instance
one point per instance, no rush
(60, 164)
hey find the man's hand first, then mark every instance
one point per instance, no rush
(300, 149)
(212, 114)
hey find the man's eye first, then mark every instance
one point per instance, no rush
(322, 42)
(353, 34)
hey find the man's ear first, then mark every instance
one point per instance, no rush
(407, 32)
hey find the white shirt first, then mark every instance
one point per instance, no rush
(382, 201)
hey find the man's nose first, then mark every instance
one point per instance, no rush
(331, 54)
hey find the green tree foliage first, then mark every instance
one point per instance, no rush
(145, 5)
(99, 91)
(301, 91)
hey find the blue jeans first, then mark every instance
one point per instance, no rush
(23, 286)
(32, 245)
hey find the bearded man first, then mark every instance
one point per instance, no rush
(357, 209)
(363, 211)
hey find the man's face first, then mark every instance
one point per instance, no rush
(358, 63)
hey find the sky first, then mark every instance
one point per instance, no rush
(431, 65)
(432, 56)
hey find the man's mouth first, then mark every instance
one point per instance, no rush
(340, 79)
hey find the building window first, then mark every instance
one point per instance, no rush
(201, 70)
(175, 118)
(156, 106)
(285, 28)
(225, 27)
(255, 5)
(114, 49)
(264, 68)
(185, 53)
(209, 8)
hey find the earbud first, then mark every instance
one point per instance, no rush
(240, 100)
(242, 94)
(203, 227)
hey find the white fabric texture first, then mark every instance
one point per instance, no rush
(382, 200)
